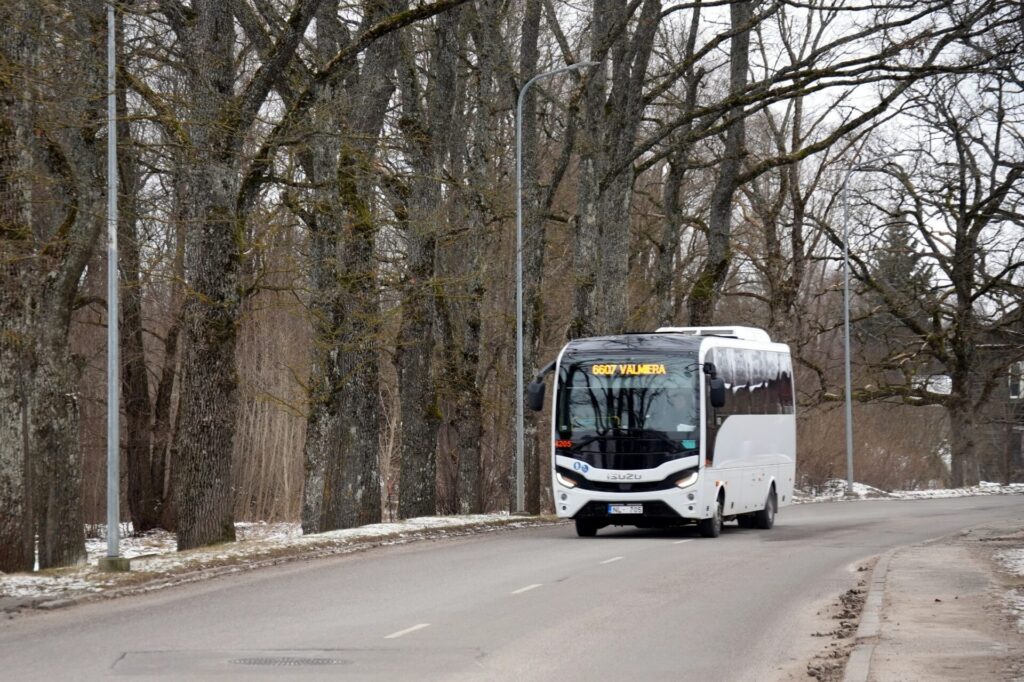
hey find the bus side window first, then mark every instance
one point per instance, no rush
(741, 389)
(727, 372)
(786, 385)
(750, 361)
(753, 382)
(772, 367)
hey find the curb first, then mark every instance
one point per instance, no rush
(859, 664)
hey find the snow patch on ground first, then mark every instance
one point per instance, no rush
(154, 554)
(156, 561)
(1012, 560)
(1014, 601)
(835, 490)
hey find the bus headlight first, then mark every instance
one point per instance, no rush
(565, 480)
(687, 479)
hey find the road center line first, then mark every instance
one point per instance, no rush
(679, 542)
(608, 561)
(414, 628)
(526, 589)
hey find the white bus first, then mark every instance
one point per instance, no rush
(683, 425)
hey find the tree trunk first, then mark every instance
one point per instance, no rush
(163, 449)
(343, 431)
(144, 490)
(54, 424)
(209, 399)
(604, 196)
(17, 542)
(963, 444)
(426, 130)
(209, 386)
(707, 289)
(74, 161)
(534, 240)
(666, 289)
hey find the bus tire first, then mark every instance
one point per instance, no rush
(765, 518)
(585, 528)
(746, 520)
(712, 528)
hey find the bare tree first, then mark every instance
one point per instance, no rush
(342, 486)
(957, 191)
(425, 124)
(612, 113)
(712, 275)
(51, 149)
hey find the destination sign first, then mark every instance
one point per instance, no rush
(628, 370)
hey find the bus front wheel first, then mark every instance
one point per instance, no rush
(586, 528)
(712, 528)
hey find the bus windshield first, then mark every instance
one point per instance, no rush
(629, 396)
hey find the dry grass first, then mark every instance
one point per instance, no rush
(896, 447)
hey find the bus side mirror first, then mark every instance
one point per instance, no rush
(717, 392)
(535, 395)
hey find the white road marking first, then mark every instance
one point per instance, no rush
(608, 561)
(414, 628)
(526, 589)
(679, 542)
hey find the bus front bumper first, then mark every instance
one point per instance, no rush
(681, 504)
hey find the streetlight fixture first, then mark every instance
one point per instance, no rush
(520, 465)
(846, 320)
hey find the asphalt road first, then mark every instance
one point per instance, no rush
(531, 604)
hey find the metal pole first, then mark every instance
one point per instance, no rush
(113, 404)
(520, 464)
(846, 333)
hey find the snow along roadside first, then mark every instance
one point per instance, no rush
(156, 564)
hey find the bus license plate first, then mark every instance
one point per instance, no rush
(625, 509)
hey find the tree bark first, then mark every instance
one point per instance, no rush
(425, 130)
(669, 257)
(611, 123)
(209, 386)
(55, 239)
(707, 289)
(343, 431)
(144, 490)
(17, 541)
(964, 468)
(534, 239)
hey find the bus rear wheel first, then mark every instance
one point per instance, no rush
(586, 528)
(765, 518)
(712, 528)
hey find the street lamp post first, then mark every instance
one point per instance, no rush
(520, 465)
(112, 562)
(846, 321)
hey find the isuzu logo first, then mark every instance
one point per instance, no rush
(624, 477)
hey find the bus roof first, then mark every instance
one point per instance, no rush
(634, 342)
(666, 339)
(738, 332)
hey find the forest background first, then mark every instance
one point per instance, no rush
(317, 240)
